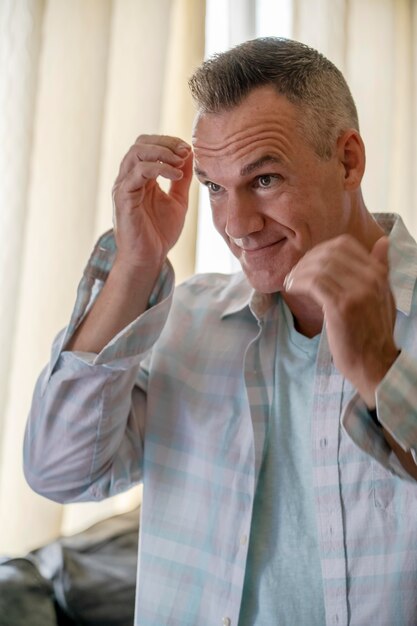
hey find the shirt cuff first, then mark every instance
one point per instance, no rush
(396, 409)
(396, 402)
(135, 339)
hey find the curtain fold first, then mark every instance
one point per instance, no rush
(101, 76)
(133, 102)
(80, 81)
(171, 32)
(20, 40)
(185, 53)
(59, 221)
(134, 91)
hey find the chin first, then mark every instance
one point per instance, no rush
(265, 281)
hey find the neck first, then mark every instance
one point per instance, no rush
(364, 228)
(308, 316)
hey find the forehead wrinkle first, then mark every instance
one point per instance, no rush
(274, 129)
(266, 140)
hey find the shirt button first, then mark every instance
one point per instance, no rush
(243, 540)
(226, 621)
(323, 442)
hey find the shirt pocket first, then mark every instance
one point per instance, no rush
(384, 484)
(387, 486)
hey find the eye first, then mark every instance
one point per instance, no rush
(212, 187)
(265, 180)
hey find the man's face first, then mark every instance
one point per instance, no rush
(272, 197)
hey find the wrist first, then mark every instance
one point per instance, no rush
(370, 380)
(135, 274)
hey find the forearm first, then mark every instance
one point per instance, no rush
(124, 297)
(84, 432)
(147, 223)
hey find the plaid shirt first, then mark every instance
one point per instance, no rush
(180, 400)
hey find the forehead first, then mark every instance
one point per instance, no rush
(265, 120)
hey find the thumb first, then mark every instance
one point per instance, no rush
(380, 251)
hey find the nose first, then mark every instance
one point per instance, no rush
(243, 219)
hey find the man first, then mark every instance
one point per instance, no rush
(271, 414)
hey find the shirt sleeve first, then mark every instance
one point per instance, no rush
(396, 405)
(83, 438)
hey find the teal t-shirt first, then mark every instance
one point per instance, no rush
(283, 583)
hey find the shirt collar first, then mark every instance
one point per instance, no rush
(402, 259)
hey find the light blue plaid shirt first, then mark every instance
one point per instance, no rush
(181, 400)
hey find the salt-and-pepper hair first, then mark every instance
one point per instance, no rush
(303, 75)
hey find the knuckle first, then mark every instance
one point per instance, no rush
(127, 206)
(377, 284)
(168, 139)
(344, 238)
(142, 138)
(116, 192)
(383, 272)
(316, 281)
(347, 305)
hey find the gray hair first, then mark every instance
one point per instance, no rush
(300, 73)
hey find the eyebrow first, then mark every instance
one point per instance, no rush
(200, 173)
(255, 165)
(250, 167)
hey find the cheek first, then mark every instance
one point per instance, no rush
(218, 215)
(287, 210)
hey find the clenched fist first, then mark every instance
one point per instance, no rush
(351, 287)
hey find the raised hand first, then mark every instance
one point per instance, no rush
(147, 220)
(147, 223)
(351, 287)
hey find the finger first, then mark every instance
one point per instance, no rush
(380, 251)
(149, 152)
(320, 286)
(343, 286)
(143, 173)
(344, 248)
(372, 266)
(347, 260)
(337, 284)
(340, 268)
(179, 188)
(173, 143)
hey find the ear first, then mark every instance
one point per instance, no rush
(351, 154)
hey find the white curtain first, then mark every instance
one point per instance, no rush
(79, 81)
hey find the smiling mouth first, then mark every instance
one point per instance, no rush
(261, 249)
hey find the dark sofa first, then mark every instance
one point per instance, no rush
(87, 579)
